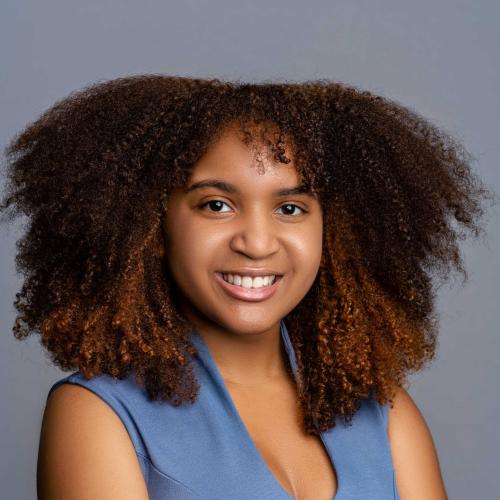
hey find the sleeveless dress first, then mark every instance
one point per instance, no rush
(203, 450)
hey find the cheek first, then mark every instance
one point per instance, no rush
(190, 253)
(306, 252)
(307, 243)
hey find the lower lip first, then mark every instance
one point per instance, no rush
(248, 294)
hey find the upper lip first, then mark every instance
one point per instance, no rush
(252, 271)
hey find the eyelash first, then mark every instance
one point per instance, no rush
(285, 204)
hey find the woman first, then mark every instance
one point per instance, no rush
(239, 278)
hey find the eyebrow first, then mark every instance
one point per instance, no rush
(230, 188)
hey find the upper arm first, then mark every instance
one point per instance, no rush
(414, 456)
(85, 451)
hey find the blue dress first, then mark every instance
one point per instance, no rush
(203, 450)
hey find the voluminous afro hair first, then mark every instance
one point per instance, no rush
(93, 174)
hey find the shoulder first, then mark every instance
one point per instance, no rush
(85, 450)
(416, 465)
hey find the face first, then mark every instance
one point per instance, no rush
(231, 218)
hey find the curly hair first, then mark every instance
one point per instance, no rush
(93, 174)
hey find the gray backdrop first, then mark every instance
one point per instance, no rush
(438, 57)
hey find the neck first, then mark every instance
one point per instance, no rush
(244, 359)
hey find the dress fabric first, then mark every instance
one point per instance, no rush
(203, 450)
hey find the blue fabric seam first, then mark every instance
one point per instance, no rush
(170, 478)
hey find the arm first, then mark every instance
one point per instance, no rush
(416, 465)
(85, 451)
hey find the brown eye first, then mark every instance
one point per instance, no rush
(215, 205)
(290, 208)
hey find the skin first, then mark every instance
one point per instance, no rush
(85, 451)
(414, 455)
(251, 228)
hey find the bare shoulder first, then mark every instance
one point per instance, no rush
(85, 451)
(416, 465)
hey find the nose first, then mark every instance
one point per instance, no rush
(255, 235)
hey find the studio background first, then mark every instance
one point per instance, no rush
(438, 57)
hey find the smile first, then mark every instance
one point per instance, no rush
(247, 288)
(248, 281)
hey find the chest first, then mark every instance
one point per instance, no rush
(298, 461)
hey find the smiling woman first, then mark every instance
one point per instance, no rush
(239, 277)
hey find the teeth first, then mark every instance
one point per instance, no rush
(248, 281)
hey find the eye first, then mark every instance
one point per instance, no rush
(214, 203)
(215, 206)
(289, 205)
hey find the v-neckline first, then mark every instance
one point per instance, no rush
(200, 343)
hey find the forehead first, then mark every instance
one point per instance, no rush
(248, 164)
